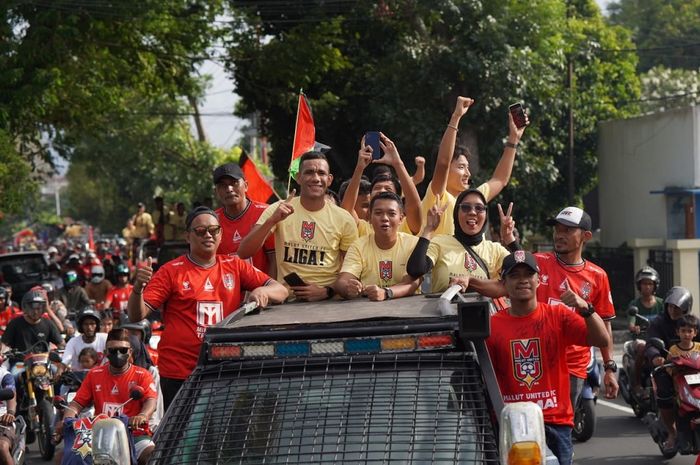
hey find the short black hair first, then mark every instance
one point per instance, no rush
(364, 189)
(687, 321)
(384, 178)
(312, 155)
(386, 196)
(461, 150)
(90, 352)
(118, 334)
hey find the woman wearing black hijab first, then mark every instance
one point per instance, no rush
(455, 258)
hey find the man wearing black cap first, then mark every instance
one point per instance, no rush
(238, 215)
(194, 291)
(526, 342)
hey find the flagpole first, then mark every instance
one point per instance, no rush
(294, 143)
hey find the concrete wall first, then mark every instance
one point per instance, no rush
(639, 155)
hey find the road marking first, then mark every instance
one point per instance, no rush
(621, 408)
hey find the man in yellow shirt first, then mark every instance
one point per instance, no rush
(311, 234)
(451, 175)
(143, 223)
(175, 229)
(375, 264)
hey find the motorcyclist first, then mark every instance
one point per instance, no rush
(98, 287)
(7, 310)
(8, 410)
(88, 323)
(678, 302)
(56, 306)
(24, 332)
(73, 296)
(122, 375)
(118, 296)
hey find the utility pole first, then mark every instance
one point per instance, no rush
(570, 86)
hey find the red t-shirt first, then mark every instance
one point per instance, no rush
(193, 298)
(107, 391)
(235, 229)
(589, 281)
(525, 354)
(119, 298)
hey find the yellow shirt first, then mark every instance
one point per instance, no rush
(372, 265)
(175, 229)
(143, 226)
(309, 243)
(365, 229)
(446, 225)
(451, 260)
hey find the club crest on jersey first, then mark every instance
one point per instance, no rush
(308, 229)
(385, 270)
(586, 290)
(228, 280)
(469, 262)
(519, 256)
(82, 444)
(544, 279)
(527, 360)
(209, 313)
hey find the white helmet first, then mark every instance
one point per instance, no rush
(98, 274)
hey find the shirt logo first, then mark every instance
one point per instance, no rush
(527, 360)
(544, 279)
(98, 388)
(208, 286)
(209, 313)
(469, 262)
(564, 286)
(586, 290)
(115, 390)
(185, 285)
(308, 228)
(112, 409)
(385, 270)
(228, 281)
(236, 236)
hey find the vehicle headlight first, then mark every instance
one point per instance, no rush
(39, 370)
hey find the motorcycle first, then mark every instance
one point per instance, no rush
(584, 411)
(18, 449)
(35, 396)
(686, 380)
(107, 440)
(640, 400)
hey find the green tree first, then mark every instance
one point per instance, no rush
(398, 66)
(16, 185)
(666, 32)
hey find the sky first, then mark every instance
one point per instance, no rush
(224, 130)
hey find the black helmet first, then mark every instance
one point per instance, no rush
(88, 312)
(144, 326)
(649, 273)
(680, 297)
(3, 293)
(122, 269)
(35, 295)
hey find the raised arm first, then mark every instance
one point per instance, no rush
(419, 175)
(364, 158)
(136, 307)
(447, 146)
(501, 175)
(391, 157)
(256, 237)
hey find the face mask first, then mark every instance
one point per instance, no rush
(118, 360)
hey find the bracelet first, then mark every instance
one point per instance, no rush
(453, 127)
(511, 145)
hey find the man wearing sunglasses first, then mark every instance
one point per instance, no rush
(108, 388)
(195, 291)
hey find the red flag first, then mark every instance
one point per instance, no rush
(258, 188)
(91, 239)
(304, 134)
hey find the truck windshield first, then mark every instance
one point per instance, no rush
(388, 409)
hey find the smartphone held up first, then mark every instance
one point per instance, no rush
(372, 139)
(518, 114)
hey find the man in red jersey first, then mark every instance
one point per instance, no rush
(195, 291)
(565, 270)
(108, 387)
(118, 296)
(238, 215)
(526, 340)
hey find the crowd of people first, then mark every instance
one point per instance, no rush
(378, 239)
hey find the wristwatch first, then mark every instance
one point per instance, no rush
(610, 365)
(389, 293)
(330, 292)
(588, 312)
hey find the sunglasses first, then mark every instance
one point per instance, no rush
(201, 231)
(468, 207)
(118, 350)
